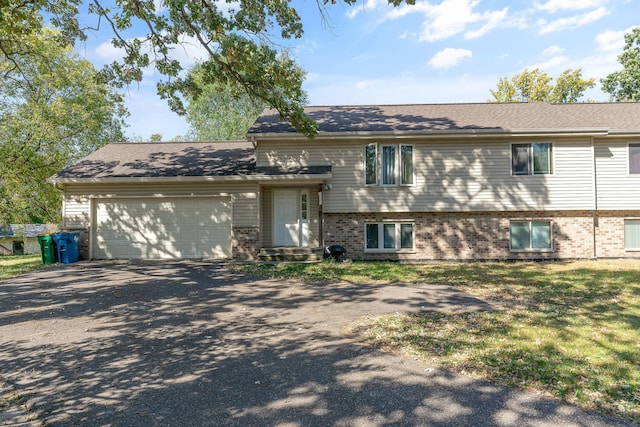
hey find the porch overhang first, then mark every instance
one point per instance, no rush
(306, 174)
(262, 174)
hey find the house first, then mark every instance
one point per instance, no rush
(22, 239)
(400, 182)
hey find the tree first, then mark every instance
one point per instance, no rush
(54, 109)
(220, 112)
(241, 39)
(624, 85)
(536, 85)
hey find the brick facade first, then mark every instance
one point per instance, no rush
(610, 234)
(465, 236)
(245, 243)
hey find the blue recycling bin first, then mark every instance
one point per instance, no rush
(67, 244)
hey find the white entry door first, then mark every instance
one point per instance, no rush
(290, 217)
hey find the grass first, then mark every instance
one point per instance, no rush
(565, 329)
(18, 264)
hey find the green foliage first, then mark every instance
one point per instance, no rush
(624, 85)
(536, 86)
(54, 109)
(242, 40)
(570, 86)
(155, 137)
(220, 112)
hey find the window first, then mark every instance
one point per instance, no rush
(388, 236)
(532, 159)
(392, 163)
(634, 158)
(530, 235)
(406, 164)
(632, 234)
(371, 164)
(388, 164)
(304, 206)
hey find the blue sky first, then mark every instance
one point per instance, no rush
(432, 52)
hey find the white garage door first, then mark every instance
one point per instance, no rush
(162, 228)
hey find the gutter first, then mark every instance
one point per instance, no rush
(595, 199)
(192, 179)
(445, 134)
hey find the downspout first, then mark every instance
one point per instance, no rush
(321, 214)
(595, 199)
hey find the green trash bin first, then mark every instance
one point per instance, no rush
(47, 249)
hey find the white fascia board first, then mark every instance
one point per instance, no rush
(190, 179)
(635, 133)
(449, 134)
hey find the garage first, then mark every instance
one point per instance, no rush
(162, 228)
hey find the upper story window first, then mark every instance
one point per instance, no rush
(532, 159)
(634, 158)
(388, 164)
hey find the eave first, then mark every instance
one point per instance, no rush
(307, 178)
(447, 134)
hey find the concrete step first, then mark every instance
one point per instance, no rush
(290, 254)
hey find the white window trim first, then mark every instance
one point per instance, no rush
(397, 249)
(551, 249)
(397, 165)
(553, 158)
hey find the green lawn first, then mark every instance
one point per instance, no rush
(17, 264)
(565, 329)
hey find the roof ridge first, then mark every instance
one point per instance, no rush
(436, 104)
(178, 142)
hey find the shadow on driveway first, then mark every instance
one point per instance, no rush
(192, 343)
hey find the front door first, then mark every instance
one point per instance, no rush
(290, 217)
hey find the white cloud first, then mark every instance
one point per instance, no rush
(400, 89)
(449, 57)
(187, 52)
(551, 66)
(452, 17)
(495, 18)
(366, 6)
(552, 50)
(553, 6)
(611, 41)
(574, 21)
(108, 53)
(307, 45)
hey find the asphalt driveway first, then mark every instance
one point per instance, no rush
(191, 343)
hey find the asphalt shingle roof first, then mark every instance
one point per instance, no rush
(175, 159)
(458, 117)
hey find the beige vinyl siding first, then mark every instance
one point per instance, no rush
(617, 189)
(76, 210)
(450, 176)
(314, 218)
(78, 197)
